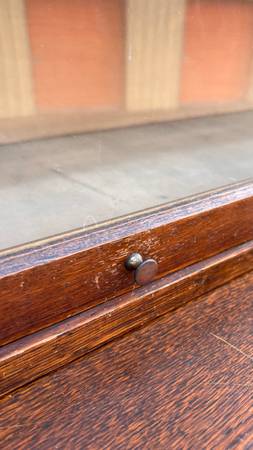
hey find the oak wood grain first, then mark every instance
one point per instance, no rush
(47, 282)
(184, 381)
(44, 351)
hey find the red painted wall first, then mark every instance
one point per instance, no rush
(77, 51)
(218, 48)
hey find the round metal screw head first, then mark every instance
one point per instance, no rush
(144, 271)
(133, 261)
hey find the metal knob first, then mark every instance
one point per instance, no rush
(144, 271)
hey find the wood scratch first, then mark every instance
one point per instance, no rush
(233, 346)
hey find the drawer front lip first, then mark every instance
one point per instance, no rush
(35, 355)
(48, 283)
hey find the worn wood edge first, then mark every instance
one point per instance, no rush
(34, 356)
(177, 209)
(125, 226)
(41, 288)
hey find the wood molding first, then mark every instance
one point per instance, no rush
(44, 351)
(48, 282)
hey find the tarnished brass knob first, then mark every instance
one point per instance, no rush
(144, 271)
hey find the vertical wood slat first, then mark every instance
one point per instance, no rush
(154, 31)
(16, 90)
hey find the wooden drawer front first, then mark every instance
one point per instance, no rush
(45, 283)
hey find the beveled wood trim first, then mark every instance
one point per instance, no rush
(48, 282)
(46, 350)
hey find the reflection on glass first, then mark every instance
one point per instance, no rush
(69, 67)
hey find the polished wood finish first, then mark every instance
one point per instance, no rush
(44, 351)
(185, 381)
(50, 281)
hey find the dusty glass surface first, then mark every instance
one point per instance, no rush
(109, 107)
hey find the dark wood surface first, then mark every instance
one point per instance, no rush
(184, 381)
(47, 282)
(44, 351)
